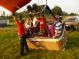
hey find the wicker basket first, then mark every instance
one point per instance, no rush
(47, 43)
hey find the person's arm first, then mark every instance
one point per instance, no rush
(15, 19)
(14, 16)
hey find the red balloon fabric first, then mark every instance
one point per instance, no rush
(13, 5)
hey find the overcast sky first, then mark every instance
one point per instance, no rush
(66, 5)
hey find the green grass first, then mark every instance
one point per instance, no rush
(10, 47)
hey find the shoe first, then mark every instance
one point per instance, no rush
(22, 54)
(27, 51)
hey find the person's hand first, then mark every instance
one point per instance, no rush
(14, 14)
(19, 38)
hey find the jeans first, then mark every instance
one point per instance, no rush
(23, 44)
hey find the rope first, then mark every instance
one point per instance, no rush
(38, 2)
(46, 2)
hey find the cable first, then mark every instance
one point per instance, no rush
(46, 2)
(38, 2)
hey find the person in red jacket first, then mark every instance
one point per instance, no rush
(21, 34)
(43, 25)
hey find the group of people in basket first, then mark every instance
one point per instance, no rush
(37, 25)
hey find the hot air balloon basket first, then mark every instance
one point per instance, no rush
(47, 43)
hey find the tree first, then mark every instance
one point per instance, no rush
(72, 14)
(35, 7)
(40, 7)
(46, 9)
(64, 13)
(57, 10)
(29, 8)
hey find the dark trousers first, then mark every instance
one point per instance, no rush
(23, 44)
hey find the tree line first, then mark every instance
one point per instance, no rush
(55, 10)
(38, 8)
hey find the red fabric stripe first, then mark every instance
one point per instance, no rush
(11, 5)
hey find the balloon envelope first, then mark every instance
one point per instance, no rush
(13, 5)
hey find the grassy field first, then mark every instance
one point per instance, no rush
(10, 47)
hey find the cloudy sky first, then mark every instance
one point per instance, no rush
(66, 5)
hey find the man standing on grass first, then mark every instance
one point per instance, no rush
(21, 34)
